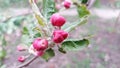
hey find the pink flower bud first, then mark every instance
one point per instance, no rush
(21, 48)
(59, 36)
(21, 58)
(57, 20)
(67, 4)
(40, 44)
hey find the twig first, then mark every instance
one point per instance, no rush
(27, 63)
(22, 14)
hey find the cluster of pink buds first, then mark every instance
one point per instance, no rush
(38, 47)
(58, 21)
(42, 46)
(58, 34)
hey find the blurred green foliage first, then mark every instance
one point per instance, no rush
(117, 4)
(13, 3)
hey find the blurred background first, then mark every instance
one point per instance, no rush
(103, 26)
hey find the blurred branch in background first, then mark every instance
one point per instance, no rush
(5, 4)
(22, 13)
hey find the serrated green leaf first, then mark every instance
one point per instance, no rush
(48, 54)
(82, 11)
(71, 26)
(48, 8)
(74, 45)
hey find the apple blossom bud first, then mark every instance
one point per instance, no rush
(21, 48)
(67, 4)
(21, 58)
(40, 44)
(59, 36)
(57, 20)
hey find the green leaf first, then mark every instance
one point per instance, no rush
(18, 21)
(48, 54)
(37, 35)
(25, 30)
(71, 26)
(84, 1)
(74, 45)
(82, 11)
(62, 50)
(48, 8)
(37, 13)
(40, 20)
(4, 42)
(2, 53)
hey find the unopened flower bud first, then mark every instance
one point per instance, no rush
(57, 20)
(21, 58)
(59, 36)
(67, 4)
(21, 48)
(40, 44)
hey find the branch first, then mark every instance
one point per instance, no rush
(21, 14)
(27, 63)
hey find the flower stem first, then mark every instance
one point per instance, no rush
(27, 63)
